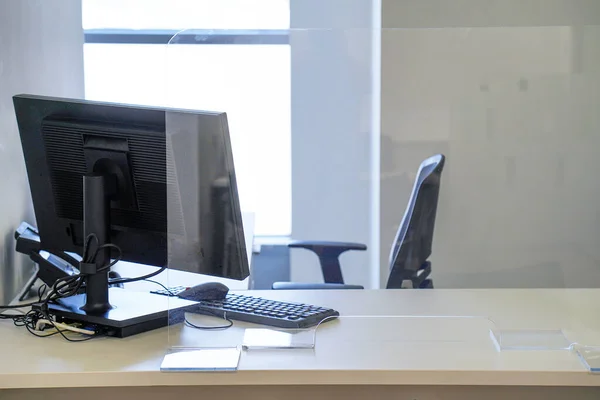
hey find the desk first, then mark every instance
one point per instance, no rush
(129, 368)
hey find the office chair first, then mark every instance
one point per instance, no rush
(409, 267)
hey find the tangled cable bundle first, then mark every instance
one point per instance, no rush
(37, 319)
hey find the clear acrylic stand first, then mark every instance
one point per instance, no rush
(534, 339)
(202, 343)
(550, 338)
(589, 356)
(267, 338)
(376, 338)
(345, 333)
(196, 360)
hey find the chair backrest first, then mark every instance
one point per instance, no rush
(412, 245)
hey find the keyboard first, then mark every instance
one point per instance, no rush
(261, 311)
(171, 291)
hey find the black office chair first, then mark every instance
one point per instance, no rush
(409, 267)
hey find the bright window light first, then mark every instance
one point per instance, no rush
(251, 83)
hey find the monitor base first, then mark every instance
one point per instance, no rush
(131, 313)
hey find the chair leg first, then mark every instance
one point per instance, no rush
(426, 284)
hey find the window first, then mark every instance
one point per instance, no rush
(239, 63)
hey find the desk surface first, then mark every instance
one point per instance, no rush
(347, 352)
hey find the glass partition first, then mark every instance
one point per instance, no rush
(331, 113)
(336, 116)
(281, 109)
(344, 153)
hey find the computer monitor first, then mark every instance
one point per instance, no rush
(157, 183)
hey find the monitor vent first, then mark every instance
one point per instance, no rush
(147, 155)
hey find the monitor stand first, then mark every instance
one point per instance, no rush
(112, 311)
(132, 312)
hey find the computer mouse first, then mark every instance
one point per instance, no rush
(205, 291)
(114, 275)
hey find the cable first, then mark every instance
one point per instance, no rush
(41, 292)
(140, 278)
(163, 286)
(58, 331)
(38, 317)
(31, 322)
(70, 285)
(209, 328)
(9, 307)
(116, 260)
(65, 327)
(11, 316)
(188, 323)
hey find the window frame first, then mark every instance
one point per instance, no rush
(192, 36)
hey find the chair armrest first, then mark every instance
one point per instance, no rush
(329, 253)
(316, 245)
(312, 286)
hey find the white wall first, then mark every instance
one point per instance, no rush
(332, 133)
(509, 91)
(41, 52)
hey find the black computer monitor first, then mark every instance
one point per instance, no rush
(157, 183)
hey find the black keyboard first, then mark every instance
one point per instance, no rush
(173, 291)
(257, 310)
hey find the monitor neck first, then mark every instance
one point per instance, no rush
(96, 221)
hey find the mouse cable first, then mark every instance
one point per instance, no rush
(188, 323)
(210, 328)
(163, 286)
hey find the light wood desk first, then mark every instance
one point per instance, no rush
(339, 367)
